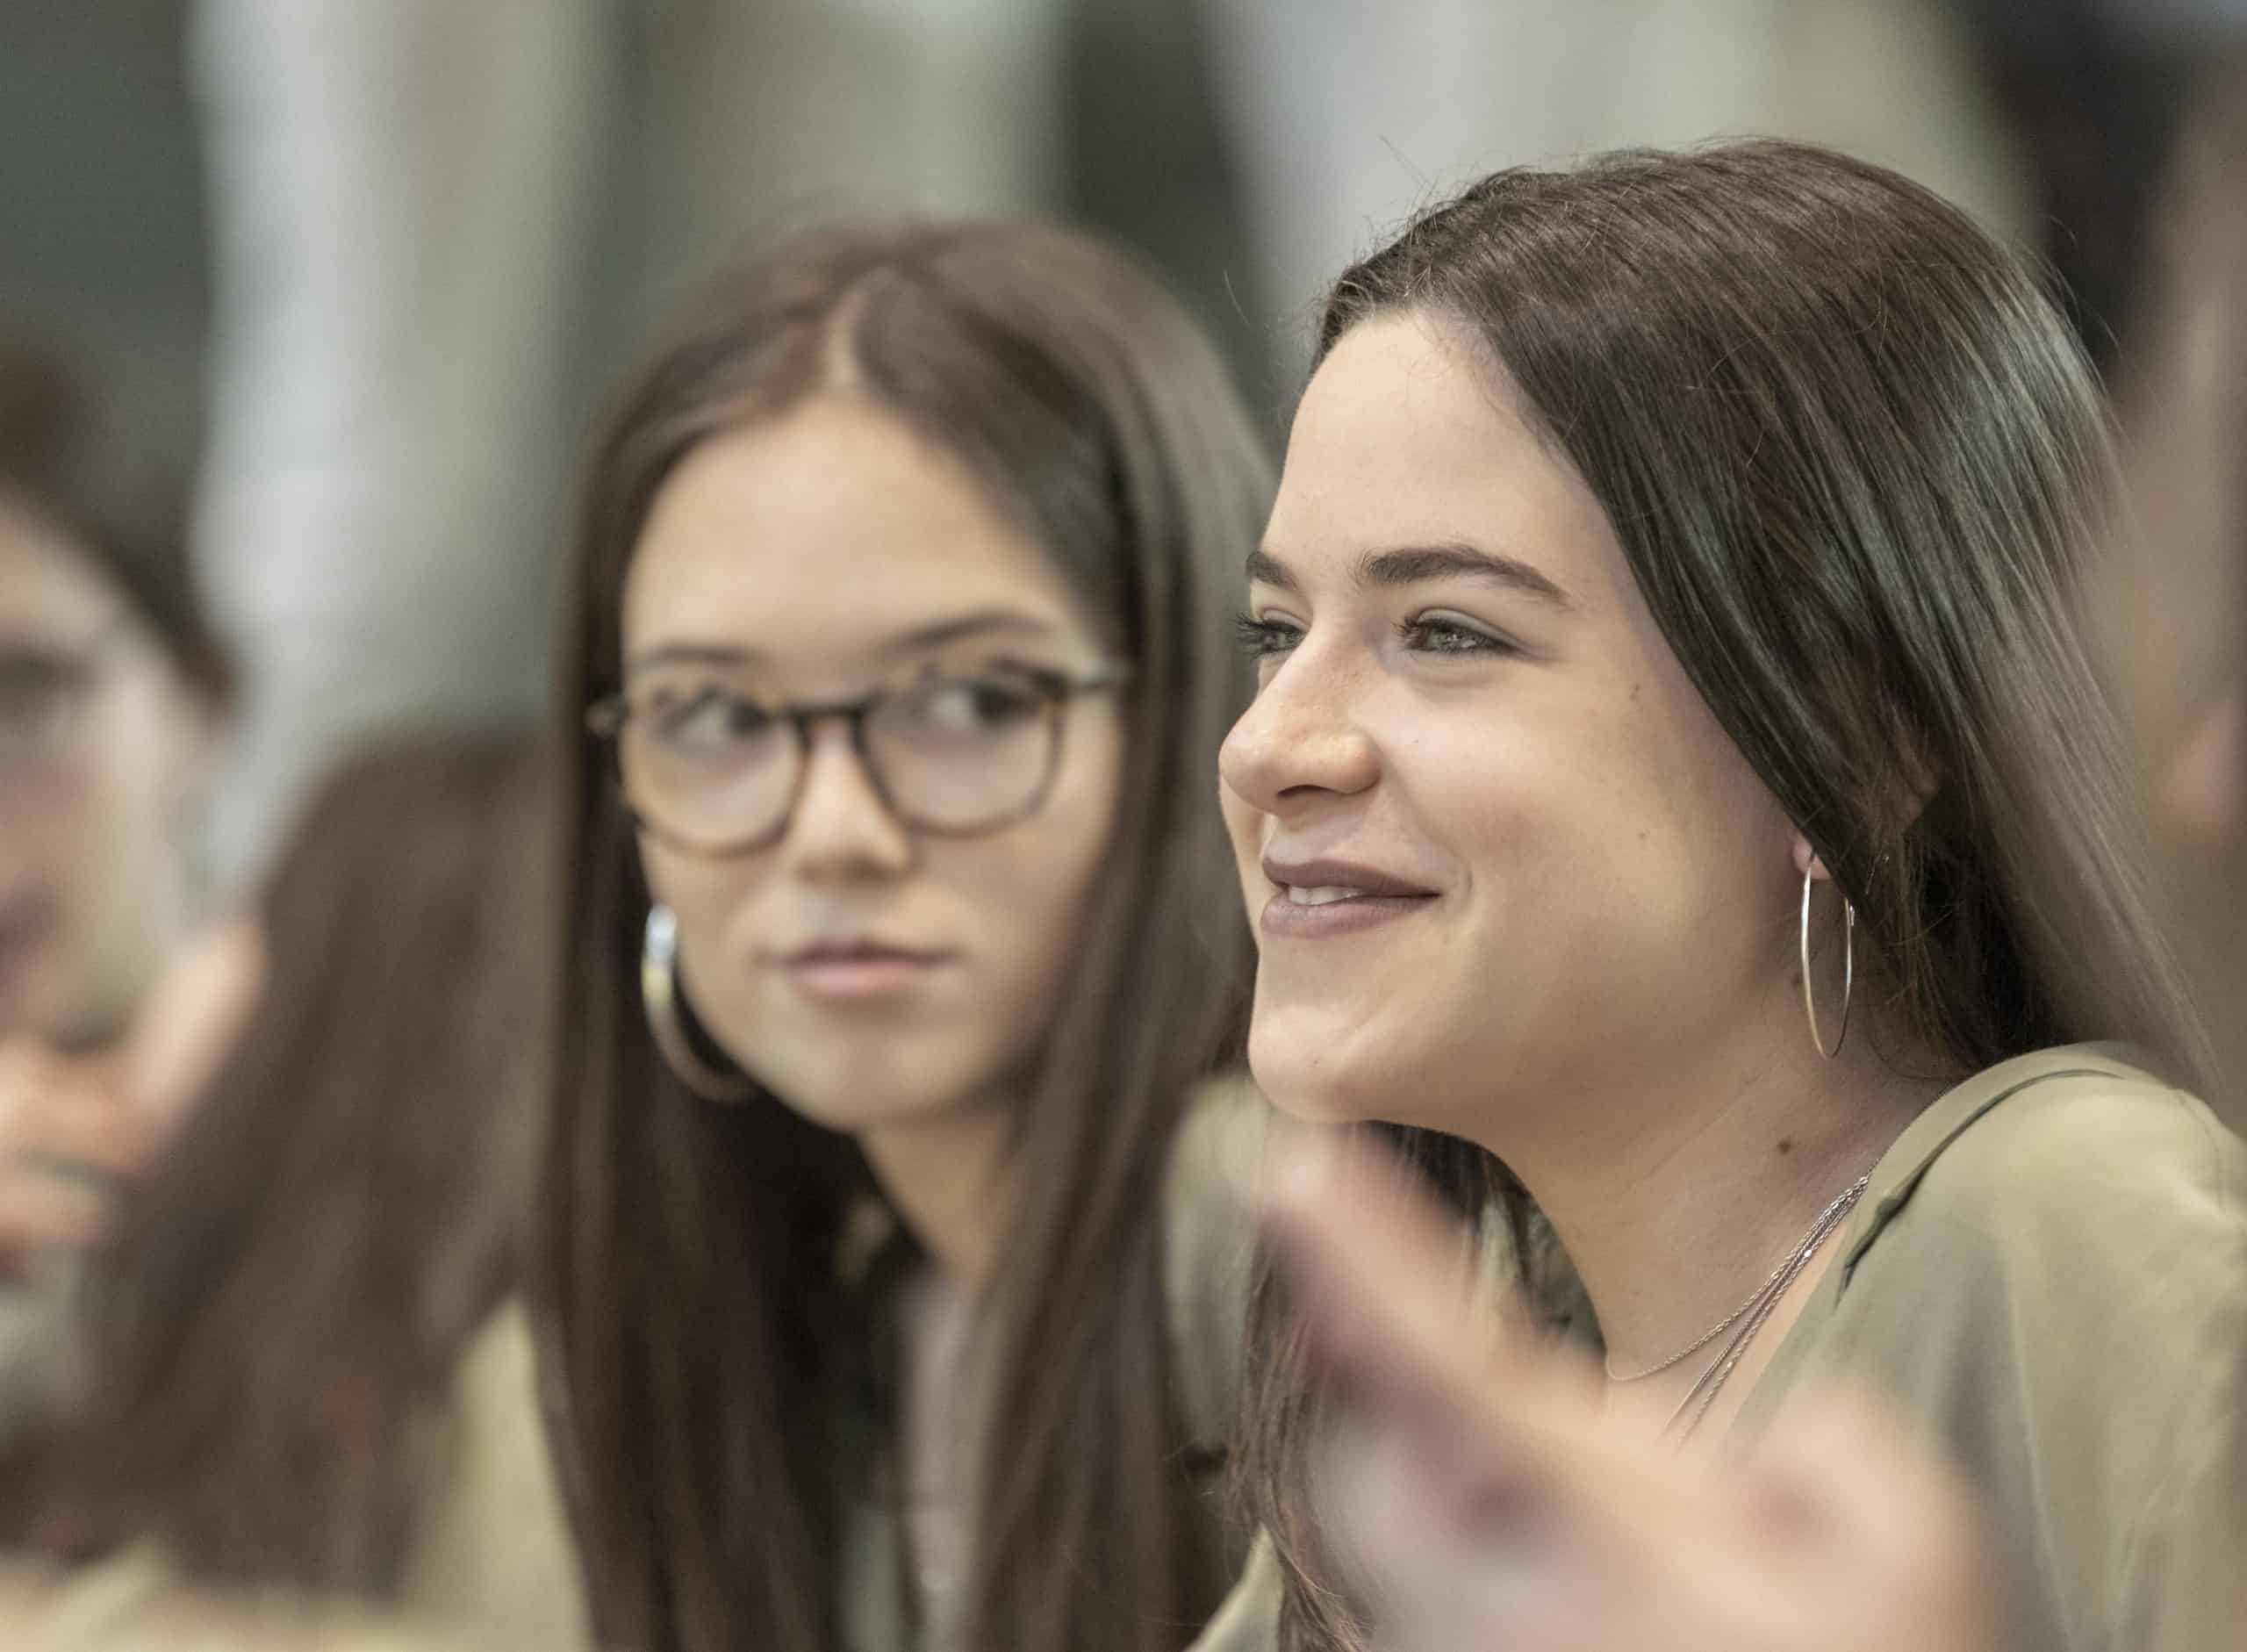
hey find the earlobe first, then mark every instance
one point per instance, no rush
(1806, 863)
(1923, 785)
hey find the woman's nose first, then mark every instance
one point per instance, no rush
(1300, 739)
(842, 830)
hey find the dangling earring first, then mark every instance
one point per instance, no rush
(1848, 970)
(659, 991)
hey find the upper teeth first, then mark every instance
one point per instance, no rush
(1322, 895)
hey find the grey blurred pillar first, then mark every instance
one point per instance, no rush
(439, 224)
(398, 196)
(753, 118)
(1350, 113)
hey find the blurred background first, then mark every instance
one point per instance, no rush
(357, 271)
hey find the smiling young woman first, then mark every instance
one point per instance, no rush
(889, 1303)
(1675, 770)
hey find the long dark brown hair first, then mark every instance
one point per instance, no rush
(277, 1322)
(691, 1250)
(1852, 453)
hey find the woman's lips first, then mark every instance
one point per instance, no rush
(1312, 899)
(858, 972)
(1288, 917)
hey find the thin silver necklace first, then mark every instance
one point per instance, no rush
(1698, 1398)
(1839, 1206)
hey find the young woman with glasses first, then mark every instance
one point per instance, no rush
(889, 1300)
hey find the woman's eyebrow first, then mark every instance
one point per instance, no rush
(1265, 569)
(689, 654)
(933, 634)
(981, 622)
(1410, 564)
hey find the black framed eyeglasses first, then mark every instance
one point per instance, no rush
(708, 767)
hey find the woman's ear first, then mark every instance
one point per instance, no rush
(1806, 863)
(1920, 783)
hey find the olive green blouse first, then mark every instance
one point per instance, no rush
(2048, 1275)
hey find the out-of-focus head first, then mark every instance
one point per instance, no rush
(342, 1208)
(1646, 529)
(2168, 602)
(112, 692)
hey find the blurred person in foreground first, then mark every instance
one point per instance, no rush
(1867, 656)
(302, 1367)
(114, 695)
(2169, 605)
(894, 1296)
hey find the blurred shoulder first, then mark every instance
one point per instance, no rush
(137, 1604)
(42, 1354)
(491, 1548)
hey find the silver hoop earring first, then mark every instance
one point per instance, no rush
(659, 992)
(1848, 970)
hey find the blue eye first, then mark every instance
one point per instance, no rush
(1261, 639)
(1429, 634)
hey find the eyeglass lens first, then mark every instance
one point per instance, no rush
(707, 762)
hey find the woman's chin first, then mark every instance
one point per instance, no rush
(1316, 1091)
(870, 1093)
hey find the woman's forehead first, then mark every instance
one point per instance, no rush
(825, 529)
(1411, 434)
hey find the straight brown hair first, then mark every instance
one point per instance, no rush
(275, 1327)
(1853, 454)
(691, 1303)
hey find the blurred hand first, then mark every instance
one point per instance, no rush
(66, 1131)
(1480, 1497)
(71, 1126)
(193, 1017)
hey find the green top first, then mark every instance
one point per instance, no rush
(2048, 1275)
